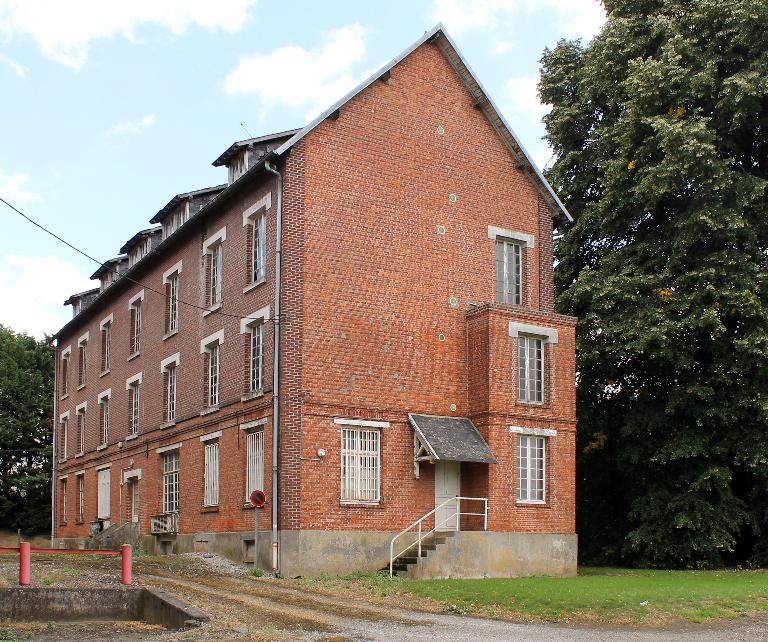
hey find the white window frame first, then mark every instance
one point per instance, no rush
(104, 403)
(356, 477)
(170, 462)
(527, 490)
(135, 302)
(211, 452)
(509, 271)
(238, 165)
(254, 461)
(82, 365)
(256, 215)
(168, 367)
(172, 277)
(64, 435)
(134, 419)
(81, 409)
(214, 246)
(66, 354)
(531, 356)
(212, 345)
(81, 497)
(64, 500)
(247, 326)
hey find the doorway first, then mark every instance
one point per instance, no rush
(447, 485)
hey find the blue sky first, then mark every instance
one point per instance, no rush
(109, 108)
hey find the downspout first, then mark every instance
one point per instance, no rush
(276, 368)
(54, 439)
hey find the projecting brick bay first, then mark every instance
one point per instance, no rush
(363, 607)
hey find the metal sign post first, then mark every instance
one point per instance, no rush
(258, 499)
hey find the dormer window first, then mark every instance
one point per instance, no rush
(140, 251)
(238, 166)
(176, 219)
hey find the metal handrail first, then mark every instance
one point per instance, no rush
(422, 536)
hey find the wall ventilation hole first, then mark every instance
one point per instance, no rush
(441, 229)
(453, 302)
(453, 198)
(441, 337)
(440, 130)
(453, 407)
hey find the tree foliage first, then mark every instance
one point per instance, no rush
(26, 395)
(660, 128)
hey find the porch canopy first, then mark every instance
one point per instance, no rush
(448, 439)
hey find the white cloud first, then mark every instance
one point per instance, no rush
(34, 289)
(501, 46)
(64, 31)
(132, 127)
(573, 18)
(17, 68)
(13, 188)
(522, 99)
(302, 78)
(464, 15)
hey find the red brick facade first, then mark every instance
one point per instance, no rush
(387, 309)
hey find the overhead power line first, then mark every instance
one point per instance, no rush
(119, 274)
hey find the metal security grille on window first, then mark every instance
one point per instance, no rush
(134, 409)
(173, 303)
(360, 465)
(259, 248)
(257, 357)
(509, 272)
(211, 496)
(104, 421)
(170, 401)
(531, 369)
(171, 482)
(213, 376)
(530, 468)
(216, 268)
(254, 443)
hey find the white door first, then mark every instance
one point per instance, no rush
(447, 476)
(135, 500)
(103, 493)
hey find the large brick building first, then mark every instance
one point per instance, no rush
(360, 322)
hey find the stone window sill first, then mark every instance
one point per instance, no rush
(81, 386)
(255, 284)
(252, 395)
(102, 446)
(212, 309)
(79, 455)
(79, 522)
(104, 373)
(129, 437)
(352, 504)
(532, 503)
(167, 424)
(133, 355)
(64, 396)
(170, 334)
(209, 509)
(209, 410)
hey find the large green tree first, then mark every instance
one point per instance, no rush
(660, 127)
(26, 397)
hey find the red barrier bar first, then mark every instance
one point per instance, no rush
(127, 569)
(24, 563)
(5, 549)
(76, 551)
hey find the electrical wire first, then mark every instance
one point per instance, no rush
(120, 275)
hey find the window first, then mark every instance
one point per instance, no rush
(104, 419)
(238, 166)
(531, 452)
(211, 495)
(134, 403)
(531, 369)
(172, 303)
(134, 336)
(82, 361)
(176, 219)
(214, 276)
(63, 491)
(65, 372)
(254, 464)
(170, 394)
(256, 369)
(258, 249)
(80, 437)
(171, 482)
(63, 435)
(509, 272)
(106, 346)
(212, 392)
(81, 498)
(360, 465)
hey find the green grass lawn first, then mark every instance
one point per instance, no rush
(599, 595)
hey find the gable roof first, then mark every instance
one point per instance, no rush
(440, 38)
(170, 205)
(257, 141)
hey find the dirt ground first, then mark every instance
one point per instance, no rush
(242, 607)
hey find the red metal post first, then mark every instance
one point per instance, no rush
(25, 565)
(127, 555)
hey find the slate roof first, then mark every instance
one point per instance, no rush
(170, 205)
(451, 438)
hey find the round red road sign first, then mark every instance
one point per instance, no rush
(258, 498)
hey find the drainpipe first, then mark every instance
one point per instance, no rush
(276, 368)
(54, 439)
